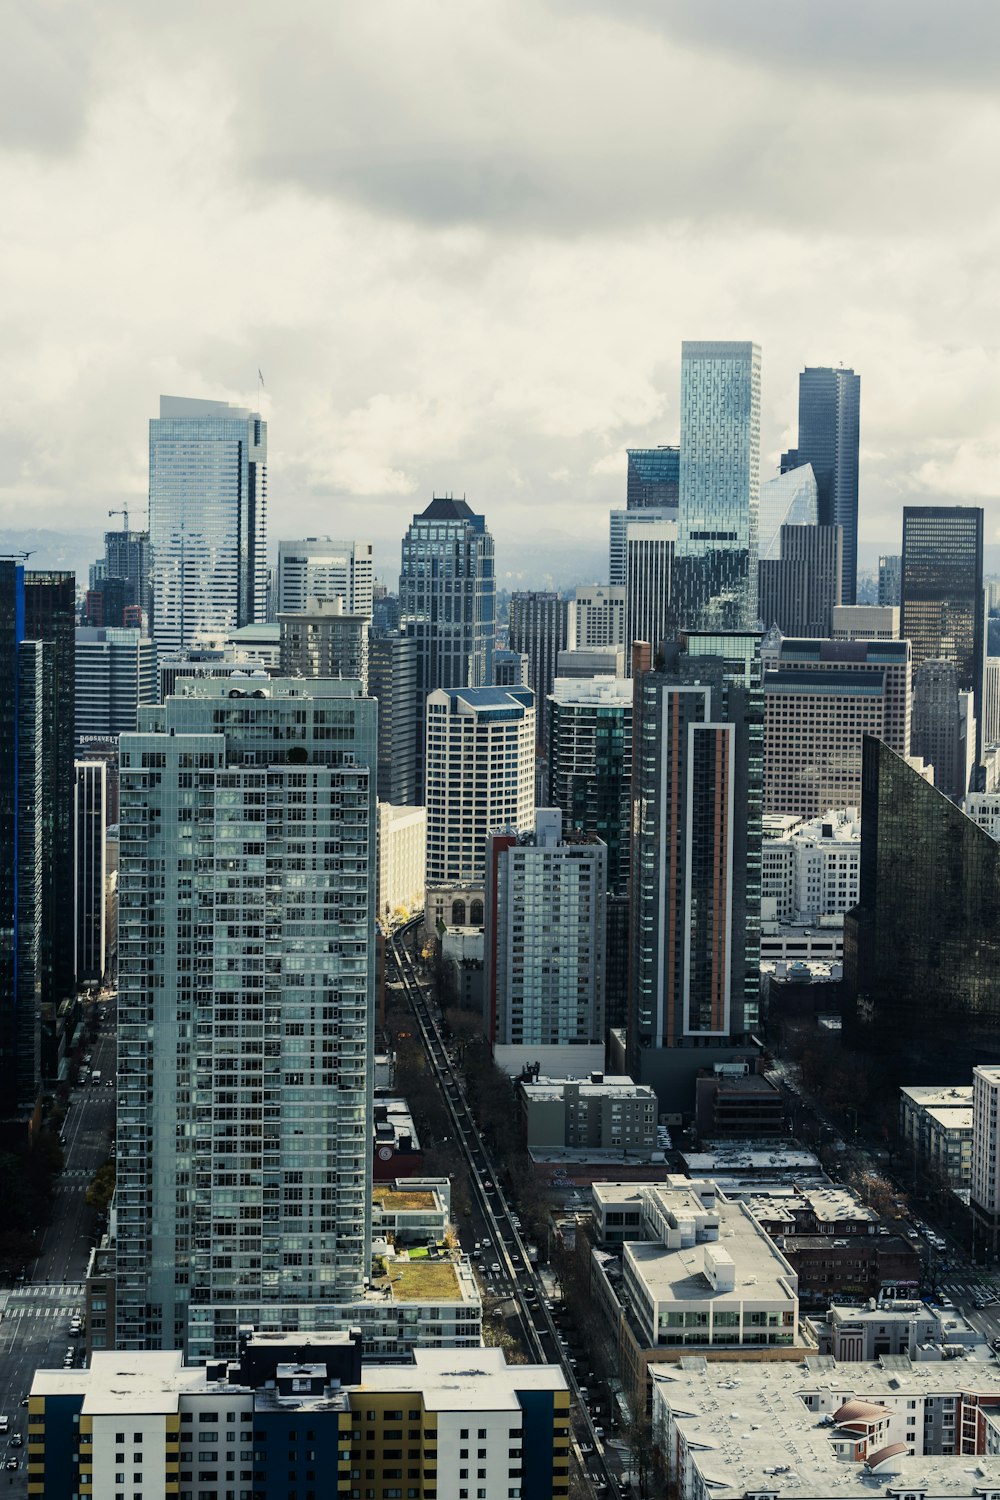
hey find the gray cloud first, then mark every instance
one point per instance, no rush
(464, 244)
(45, 65)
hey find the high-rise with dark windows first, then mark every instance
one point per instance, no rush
(922, 946)
(715, 583)
(697, 779)
(50, 617)
(447, 603)
(539, 621)
(829, 430)
(941, 587)
(653, 477)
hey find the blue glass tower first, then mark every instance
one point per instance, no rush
(715, 584)
(829, 428)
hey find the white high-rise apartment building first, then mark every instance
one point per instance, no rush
(985, 1189)
(317, 567)
(597, 616)
(245, 1014)
(480, 758)
(545, 935)
(207, 520)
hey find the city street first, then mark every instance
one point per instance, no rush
(34, 1331)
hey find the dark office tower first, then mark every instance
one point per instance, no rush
(537, 629)
(447, 604)
(385, 611)
(50, 617)
(654, 476)
(922, 946)
(829, 425)
(694, 944)
(590, 764)
(126, 555)
(889, 568)
(90, 870)
(715, 583)
(941, 610)
(22, 721)
(799, 589)
(940, 731)
(789, 461)
(392, 680)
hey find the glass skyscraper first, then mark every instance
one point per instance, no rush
(829, 427)
(207, 520)
(942, 610)
(715, 584)
(246, 1012)
(447, 603)
(788, 500)
(922, 946)
(653, 477)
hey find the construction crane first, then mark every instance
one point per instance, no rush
(120, 513)
(22, 555)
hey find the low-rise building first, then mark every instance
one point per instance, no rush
(935, 1124)
(896, 1327)
(397, 1149)
(303, 1414)
(700, 1274)
(730, 1100)
(851, 1266)
(758, 1430)
(411, 1211)
(602, 1110)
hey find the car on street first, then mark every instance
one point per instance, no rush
(13, 1463)
(17, 1441)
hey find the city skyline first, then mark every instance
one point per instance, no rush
(376, 223)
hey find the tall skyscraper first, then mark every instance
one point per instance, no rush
(447, 604)
(207, 519)
(696, 861)
(115, 672)
(889, 571)
(788, 500)
(538, 626)
(626, 523)
(322, 640)
(984, 1192)
(22, 731)
(543, 971)
(800, 588)
(814, 722)
(942, 610)
(922, 947)
(888, 660)
(715, 585)
(829, 428)
(126, 556)
(480, 776)
(653, 477)
(392, 680)
(246, 1029)
(318, 568)
(650, 553)
(590, 763)
(90, 866)
(596, 616)
(941, 727)
(50, 617)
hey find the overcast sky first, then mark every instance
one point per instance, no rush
(463, 240)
